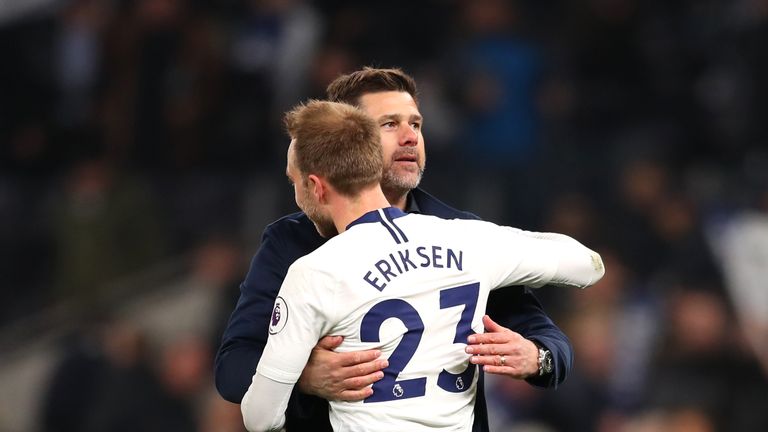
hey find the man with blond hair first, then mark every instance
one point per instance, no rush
(533, 347)
(413, 287)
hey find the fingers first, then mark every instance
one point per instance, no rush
(363, 369)
(494, 333)
(493, 338)
(492, 360)
(330, 342)
(340, 376)
(355, 395)
(504, 370)
(487, 349)
(361, 382)
(492, 364)
(356, 357)
(355, 381)
(494, 343)
(491, 325)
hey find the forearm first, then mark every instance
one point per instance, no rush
(577, 264)
(234, 369)
(243, 343)
(246, 334)
(263, 406)
(581, 271)
(536, 259)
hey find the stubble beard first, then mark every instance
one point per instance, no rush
(323, 224)
(396, 185)
(325, 227)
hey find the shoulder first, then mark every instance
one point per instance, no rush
(294, 229)
(317, 270)
(456, 226)
(292, 223)
(285, 240)
(335, 251)
(430, 205)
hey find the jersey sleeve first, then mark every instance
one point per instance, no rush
(518, 257)
(263, 406)
(300, 317)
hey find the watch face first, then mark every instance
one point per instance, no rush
(547, 362)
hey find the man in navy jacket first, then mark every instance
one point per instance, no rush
(534, 349)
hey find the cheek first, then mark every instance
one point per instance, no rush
(297, 197)
(388, 146)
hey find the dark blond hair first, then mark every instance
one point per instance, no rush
(351, 87)
(338, 142)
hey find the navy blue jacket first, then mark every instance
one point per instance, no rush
(293, 236)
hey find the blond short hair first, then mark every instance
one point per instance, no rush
(338, 142)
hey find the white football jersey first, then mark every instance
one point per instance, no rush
(415, 287)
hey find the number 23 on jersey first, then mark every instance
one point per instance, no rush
(390, 388)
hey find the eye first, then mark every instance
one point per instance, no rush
(390, 124)
(416, 125)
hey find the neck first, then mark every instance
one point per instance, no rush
(397, 198)
(346, 210)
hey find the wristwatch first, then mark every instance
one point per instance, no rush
(545, 361)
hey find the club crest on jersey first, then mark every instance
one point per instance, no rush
(459, 383)
(279, 316)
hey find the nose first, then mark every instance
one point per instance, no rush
(408, 136)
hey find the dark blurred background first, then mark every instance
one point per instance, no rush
(141, 155)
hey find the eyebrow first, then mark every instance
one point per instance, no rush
(397, 117)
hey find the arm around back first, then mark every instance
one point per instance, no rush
(246, 334)
(516, 308)
(546, 258)
(519, 310)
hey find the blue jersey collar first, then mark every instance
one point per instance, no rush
(378, 216)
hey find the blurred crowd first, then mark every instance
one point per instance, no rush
(132, 132)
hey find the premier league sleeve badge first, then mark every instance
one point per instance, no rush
(279, 316)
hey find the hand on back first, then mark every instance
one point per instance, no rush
(502, 351)
(343, 376)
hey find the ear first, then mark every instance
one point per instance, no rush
(318, 188)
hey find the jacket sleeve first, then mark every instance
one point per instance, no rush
(246, 333)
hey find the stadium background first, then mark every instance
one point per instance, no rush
(142, 155)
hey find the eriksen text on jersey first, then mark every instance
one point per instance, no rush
(415, 287)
